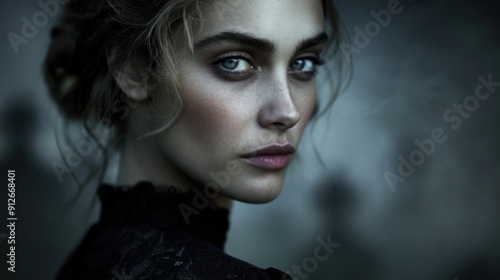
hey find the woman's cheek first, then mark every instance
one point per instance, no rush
(213, 117)
(307, 102)
(311, 104)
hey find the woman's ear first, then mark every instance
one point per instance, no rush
(130, 79)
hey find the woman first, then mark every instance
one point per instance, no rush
(208, 100)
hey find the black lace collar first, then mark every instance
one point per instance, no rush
(144, 204)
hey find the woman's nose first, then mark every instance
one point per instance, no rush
(279, 110)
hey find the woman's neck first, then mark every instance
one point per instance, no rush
(143, 162)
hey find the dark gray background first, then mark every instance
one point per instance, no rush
(441, 223)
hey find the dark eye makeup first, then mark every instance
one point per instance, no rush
(239, 66)
(305, 68)
(235, 65)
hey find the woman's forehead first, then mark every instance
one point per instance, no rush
(280, 21)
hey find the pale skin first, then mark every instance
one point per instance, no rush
(237, 98)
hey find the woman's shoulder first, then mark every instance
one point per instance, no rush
(179, 255)
(149, 253)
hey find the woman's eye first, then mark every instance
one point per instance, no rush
(234, 64)
(305, 68)
(303, 65)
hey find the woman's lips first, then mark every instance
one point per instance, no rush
(274, 157)
(270, 162)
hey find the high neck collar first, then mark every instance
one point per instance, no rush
(165, 208)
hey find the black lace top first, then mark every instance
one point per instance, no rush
(142, 234)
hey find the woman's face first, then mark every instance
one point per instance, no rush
(249, 85)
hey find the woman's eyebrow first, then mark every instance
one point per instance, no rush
(311, 42)
(238, 38)
(260, 44)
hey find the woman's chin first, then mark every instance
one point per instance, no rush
(256, 194)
